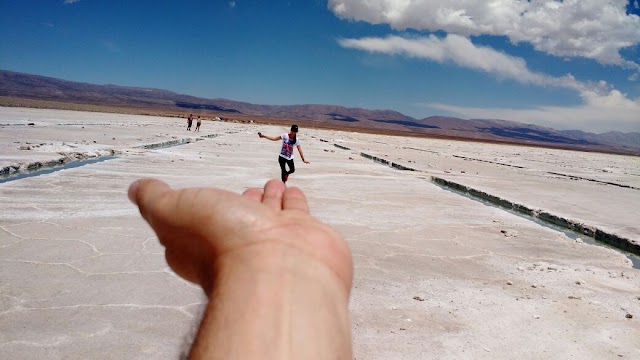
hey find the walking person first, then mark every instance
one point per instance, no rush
(189, 122)
(198, 124)
(285, 159)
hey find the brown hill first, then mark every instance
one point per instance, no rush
(52, 91)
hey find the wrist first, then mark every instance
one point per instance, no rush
(277, 265)
(275, 293)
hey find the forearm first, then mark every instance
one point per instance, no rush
(284, 306)
(301, 155)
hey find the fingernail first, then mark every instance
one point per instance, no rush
(133, 190)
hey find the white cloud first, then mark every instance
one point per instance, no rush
(232, 4)
(599, 113)
(594, 29)
(603, 108)
(70, 1)
(461, 51)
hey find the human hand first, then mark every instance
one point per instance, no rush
(278, 280)
(260, 135)
(205, 229)
(306, 162)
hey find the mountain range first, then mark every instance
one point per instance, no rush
(14, 85)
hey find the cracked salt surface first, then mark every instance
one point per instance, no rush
(168, 144)
(83, 276)
(69, 165)
(575, 236)
(453, 187)
(78, 163)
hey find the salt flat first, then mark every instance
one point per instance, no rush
(596, 189)
(437, 275)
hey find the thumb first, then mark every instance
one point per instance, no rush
(210, 213)
(162, 206)
(171, 213)
(147, 194)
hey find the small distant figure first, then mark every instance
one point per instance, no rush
(286, 152)
(198, 124)
(189, 122)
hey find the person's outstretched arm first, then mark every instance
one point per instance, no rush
(302, 155)
(278, 280)
(272, 138)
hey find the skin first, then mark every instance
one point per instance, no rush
(292, 135)
(277, 280)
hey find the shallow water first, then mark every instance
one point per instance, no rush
(169, 144)
(49, 170)
(635, 260)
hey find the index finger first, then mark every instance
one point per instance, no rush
(294, 199)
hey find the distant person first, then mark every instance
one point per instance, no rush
(277, 280)
(286, 152)
(198, 124)
(189, 122)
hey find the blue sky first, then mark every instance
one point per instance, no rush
(571, 64)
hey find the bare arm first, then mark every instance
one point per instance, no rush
(302, 155)
(272, 138)
(266, 310)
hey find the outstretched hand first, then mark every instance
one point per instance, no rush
(203, 228)
(278, 280)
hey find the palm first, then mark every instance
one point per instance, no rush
(202, 227)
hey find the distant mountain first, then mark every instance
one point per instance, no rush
(614, 138)
(27, 86)
(45, 88)
(484, 128)
(491, 129)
